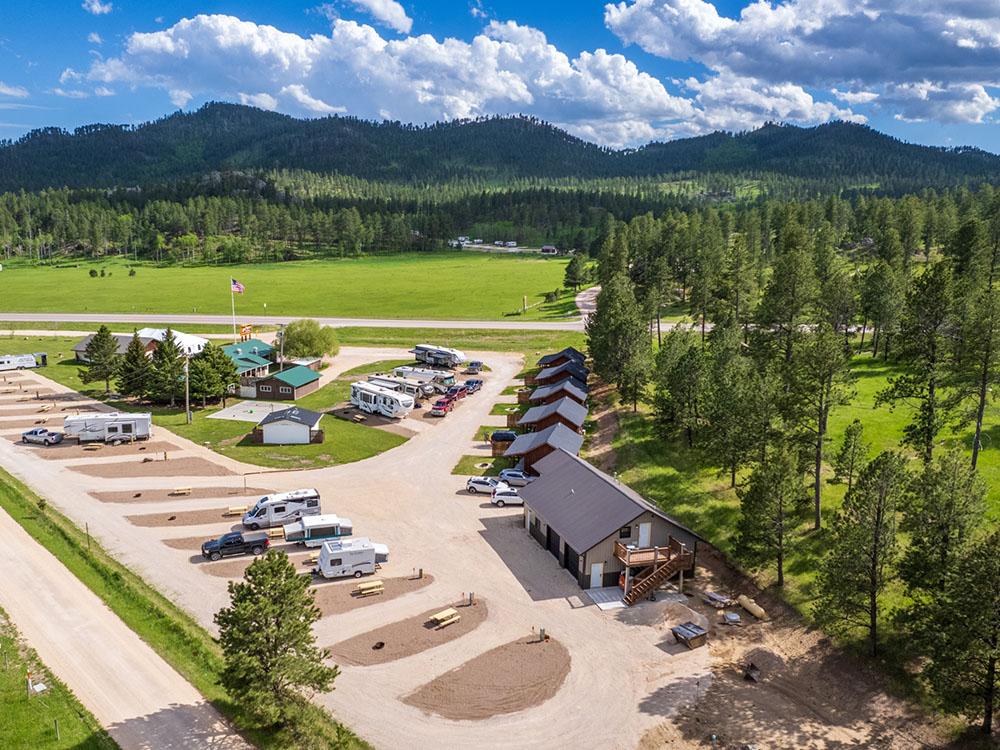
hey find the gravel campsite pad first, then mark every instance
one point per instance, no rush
(407, 637)
(52, 423)
(183, 518)
(235, 567)
(73, 449)
(509, 678)
(22, 410)
(174, 467)
(232, 495)
(334, 598)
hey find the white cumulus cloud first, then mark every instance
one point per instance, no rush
(387, 12)
(94, 38)
(96, 7)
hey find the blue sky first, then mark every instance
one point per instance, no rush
(620, 73)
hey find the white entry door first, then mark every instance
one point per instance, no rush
(645, 530)
(596, 575)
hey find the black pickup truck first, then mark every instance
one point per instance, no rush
(235, 543)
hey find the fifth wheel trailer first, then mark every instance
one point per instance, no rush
(22, 361)
(377, 400)
(409, 386)
(442, 356)
(350, 557)
(312, 531)
(113, 427)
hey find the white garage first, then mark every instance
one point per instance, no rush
(294, 426)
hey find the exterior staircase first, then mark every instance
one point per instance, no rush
(649, 583)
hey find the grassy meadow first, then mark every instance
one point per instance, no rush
(454, 285)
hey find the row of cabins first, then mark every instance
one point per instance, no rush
(261, 376)
(557, 396)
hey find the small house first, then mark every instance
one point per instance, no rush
(546, 394)
(294, 426)
(187, 344)
(603, 532)
(550, 375)
(534, 446)
(256, 347)
(121, 339)
(565, 411)
(287, 385)
(569, 354)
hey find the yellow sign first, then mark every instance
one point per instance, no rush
(246, 331)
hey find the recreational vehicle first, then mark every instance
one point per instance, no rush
(377, 400)
(441, 356)
(409, 386)
(21, 361)
(281, 508)
(441, 379)
(312, 531)
(350, 557)
(115, 427)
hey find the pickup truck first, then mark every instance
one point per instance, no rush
(41, 436)
(235, 543)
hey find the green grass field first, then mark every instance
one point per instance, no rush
(469, 286)
(30, 723)
(172, 633)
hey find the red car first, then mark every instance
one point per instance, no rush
(457, 391)
(441, 408)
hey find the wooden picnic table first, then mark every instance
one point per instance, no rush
(446, 617)
(370, 588)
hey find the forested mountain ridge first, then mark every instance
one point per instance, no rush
(224, 137)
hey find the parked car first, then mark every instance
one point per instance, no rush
(457, 391)
(449, 398)
(505, 495)
(473, 385)
(503, 436)
(41, 436)
(481, 484)
(440, 408)
(235, 543)
(474, 367)
(516, 477)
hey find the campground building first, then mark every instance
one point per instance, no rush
(534, 446)
(603, 532)
(546, 394)
(289, 384)
(565, 411)
(293, 426)
(121, 339)
(569, 354)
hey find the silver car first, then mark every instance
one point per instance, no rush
(516, 477)
(41, 436)
(505, 495)
(486, 485)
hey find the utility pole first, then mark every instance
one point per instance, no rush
(187, 388)
(281, 351)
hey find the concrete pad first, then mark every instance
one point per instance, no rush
(250, 411)
(606, 598)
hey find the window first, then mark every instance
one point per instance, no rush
(284, 389)
(625, 532)
(336, 561)
(279, 508)
(127, 428)
(265, 389)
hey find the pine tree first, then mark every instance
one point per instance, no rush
(618, 339)
(268, 642)
(731, 397)
(135, 371)
(102, 358)
(224, 372)
(576, 272)
(792, 289)
(964, 645)
(168, 369)
(204, 381)
(858, 565)
(850, 459)
(768, 506)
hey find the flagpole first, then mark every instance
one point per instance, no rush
(232, 298)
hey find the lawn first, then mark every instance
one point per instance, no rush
(30, 723)
(469, 286)
(169, 631)
(9, 326)
(532, 343)
(468, 466)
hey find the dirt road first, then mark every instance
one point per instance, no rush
(141, 700)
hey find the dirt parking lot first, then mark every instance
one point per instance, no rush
(72, 449)
(237, 495)
(174, 467)
(337, 597)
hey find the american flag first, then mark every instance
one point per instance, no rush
(236, 286)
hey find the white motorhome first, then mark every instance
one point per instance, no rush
(281, 507)
(442, 356)
(350, 557)
(114, 427)
(312, 531)
(409, 386)
(377, 400)
(18, 361)
(443, 380)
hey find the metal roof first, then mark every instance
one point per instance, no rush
(570, 385)
(558, 436)
(571, 369)
(569, 351)
(565, 407)
(296, 376)
(295, 414)
(583, 504)
(122, 339)
(243, 349)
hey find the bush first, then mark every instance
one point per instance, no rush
(131, 272)
(552, 296)
(307, 338)
(93, 273)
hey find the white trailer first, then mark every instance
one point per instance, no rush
(312, 531)
(441, 379)
(350, 557)
(18, 361)
(113, 427)
(443, 356)
(282, 507)
(377, 400)
(409, 386)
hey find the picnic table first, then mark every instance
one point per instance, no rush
(370, 588)
(446, 617)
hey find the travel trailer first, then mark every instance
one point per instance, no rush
(442, 356)
(409, 386)
(350, 557)
(377, 400)
(282, 507)
(441, 379)
(115, 427)
(312, 531)
(22, 361)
